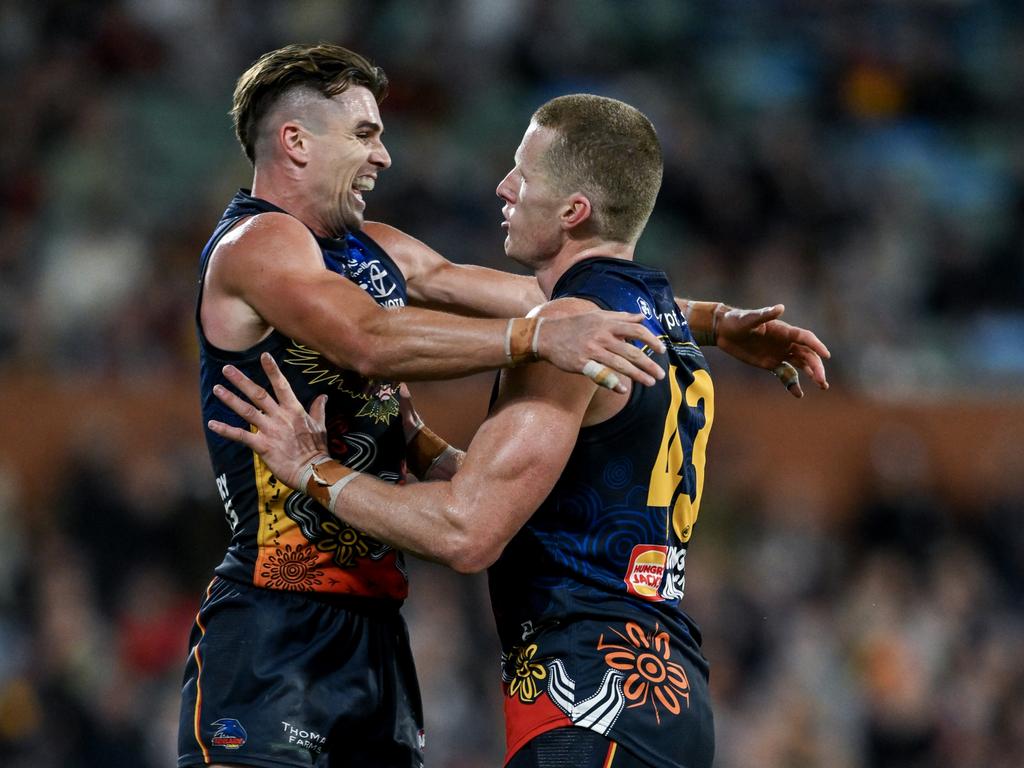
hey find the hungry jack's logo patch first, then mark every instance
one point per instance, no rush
(646, 570)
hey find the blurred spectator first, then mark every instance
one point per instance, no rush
(860, 161)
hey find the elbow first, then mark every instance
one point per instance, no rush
(366, 356)
(472, 559)
(472, 551)
(364, 348)
(369, 363)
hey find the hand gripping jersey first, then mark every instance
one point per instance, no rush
(586, 595)
(281, 539)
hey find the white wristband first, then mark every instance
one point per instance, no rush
(508, 339)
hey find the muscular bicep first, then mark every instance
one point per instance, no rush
(519, 452)
(512, 464)
(437, 283)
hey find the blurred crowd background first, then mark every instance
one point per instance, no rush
(859, 564)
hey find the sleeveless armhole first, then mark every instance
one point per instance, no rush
(204, 263)
(621, 421)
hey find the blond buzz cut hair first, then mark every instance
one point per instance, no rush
(608, 151)
(323, 68)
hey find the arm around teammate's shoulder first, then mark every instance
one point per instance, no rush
(273, 264)
(437, 283)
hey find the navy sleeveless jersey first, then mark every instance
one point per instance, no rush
(282, 539)
(586, 595)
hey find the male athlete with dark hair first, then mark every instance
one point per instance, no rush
(581, 500)
(299, 655)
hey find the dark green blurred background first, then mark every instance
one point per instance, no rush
(859, 564)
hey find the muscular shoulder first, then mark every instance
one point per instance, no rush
(598, 404)
(545, 381)
(264, 244)
(385, 235)
(272, 231)
(564, 307)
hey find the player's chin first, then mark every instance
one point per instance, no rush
(510, 250)
(518, 257)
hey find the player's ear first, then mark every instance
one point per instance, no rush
(294, 141)
(576, 211)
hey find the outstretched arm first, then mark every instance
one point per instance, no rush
(753, 336)
(269, 273)
(757, 337)
(437, 283)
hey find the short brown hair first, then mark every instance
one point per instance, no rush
(325, 68)
(608, 151)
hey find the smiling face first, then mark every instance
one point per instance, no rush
(345, 154)
(533, 205)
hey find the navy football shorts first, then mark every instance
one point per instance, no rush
(574, 747)
(276, 679)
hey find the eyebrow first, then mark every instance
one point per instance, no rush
(369, 125)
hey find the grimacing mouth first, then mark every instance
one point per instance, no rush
(362, 184)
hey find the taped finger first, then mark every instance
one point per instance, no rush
(600, 374)
(787, 374)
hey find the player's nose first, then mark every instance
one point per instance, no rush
(505, 189)
(380, 156)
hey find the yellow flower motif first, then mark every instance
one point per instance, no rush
(525, 674)
(344, 541)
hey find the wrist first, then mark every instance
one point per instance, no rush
(424, 450)
(326, 479)
(447, 461)
(307, 471)
(704, 317)
(522, 340)
(412, 429)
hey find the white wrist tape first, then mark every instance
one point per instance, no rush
(338, 487)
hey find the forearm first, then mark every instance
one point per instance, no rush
(480, 291)
(414, 344)
(434, 282)
(426, 519)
